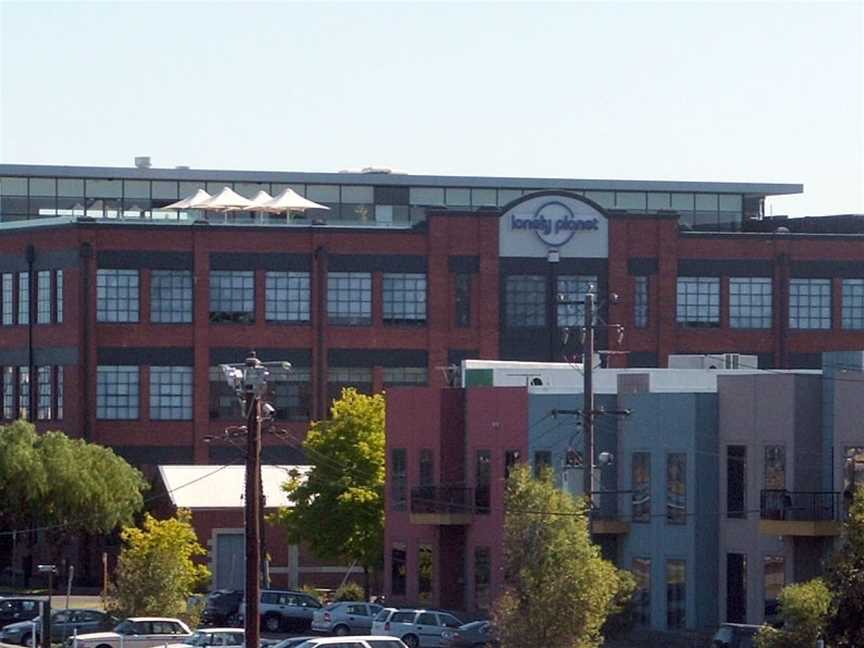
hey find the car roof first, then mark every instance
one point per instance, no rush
(327, 641)
(154, 619)
(237, 630)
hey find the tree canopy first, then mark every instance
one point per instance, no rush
(156, 572)
(554, 574)
(66, 485)
(845, 579)
(804, 608)
(338, 507)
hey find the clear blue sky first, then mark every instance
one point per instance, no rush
(688, 91)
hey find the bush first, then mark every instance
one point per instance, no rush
(350, 591)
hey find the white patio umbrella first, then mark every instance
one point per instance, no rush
(226, 200)
(258, 203)
(289, 200)
(190, 202)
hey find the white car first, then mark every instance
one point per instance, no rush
(138, 632)
(417, 628)
(367, 641)
(213, 637)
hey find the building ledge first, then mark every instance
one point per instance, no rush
(811, 528)
(441, 519)
(610, 527)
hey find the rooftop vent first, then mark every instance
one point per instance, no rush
(143, 162)
(182, 166)
(382, 170)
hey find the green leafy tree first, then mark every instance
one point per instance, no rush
(559, 590)
(66, 485)
(350, 591)
(338, 508)
(156, 573)
(845, 579)
(804, 609)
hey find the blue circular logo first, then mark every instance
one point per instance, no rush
(554, 223)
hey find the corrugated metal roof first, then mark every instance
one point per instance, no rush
(208, 487)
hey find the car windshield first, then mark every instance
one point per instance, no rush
(382, 615)
(198, 639)
(125, 628)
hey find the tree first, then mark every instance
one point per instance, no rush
(156, 572)
(338, 507)
(845, 579)
(804, 609)
(65, 485)
(554, 574)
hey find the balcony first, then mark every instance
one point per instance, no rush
(800, 513)
(442, 505)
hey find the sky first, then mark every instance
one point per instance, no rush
(754, 92)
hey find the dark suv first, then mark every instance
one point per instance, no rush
(735, 635)
(287, 609)
(18, 608)
(221, 608)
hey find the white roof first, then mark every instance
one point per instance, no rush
(211, 487)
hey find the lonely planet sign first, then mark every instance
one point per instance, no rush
(565, 223)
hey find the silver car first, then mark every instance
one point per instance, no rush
(345, 617)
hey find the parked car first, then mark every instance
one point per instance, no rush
(18, 608)
(138, 632)
(477, 634)
(291, 642)
(417, 628)
(366, 641)
(286, 609)
(64, 624)
(221, 607)
(735, 635)
(213, 637)
(345, 617)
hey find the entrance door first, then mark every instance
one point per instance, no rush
(230, 561)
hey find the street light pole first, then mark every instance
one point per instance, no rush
(588, 389)
(253, 503)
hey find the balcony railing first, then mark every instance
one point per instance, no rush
(442, 499)
(801, 506)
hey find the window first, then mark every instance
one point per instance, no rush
(542, 461)
(286, 297)
(339, 378)
(171, 296)
(23, 297)
(482, 577)
(525, 300)
(290, 393)
(853, 303)
(349, 298)
(640, 302)
(511, 458)
(58, 296)
(736, 484)
(736, 588)
(810, 303)
(395, 376)
(232, 296)
(641, 469)
(398, 466)
(642, 595)
(117, 295)
(9, 393)
(750, 302)
(676, 601)
(463, 300)
(775, 467)
(676, 488)
(424, 578)
(223, 399)
(482, 481)
(427, 467)
(171, 393)
(397, 569)
(116, 392)
(24, 392)
(774, 579)
(572, 288)
(45, 393)
(59, 412)
(405, 298)
(7, 298)
(698, 302)
(43, 297)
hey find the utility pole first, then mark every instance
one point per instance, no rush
(253, 503)
(588, 390)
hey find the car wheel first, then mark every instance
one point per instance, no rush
(341, 630)
(103, 646)
(25, 639)
(272, 623)
(411, 641)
